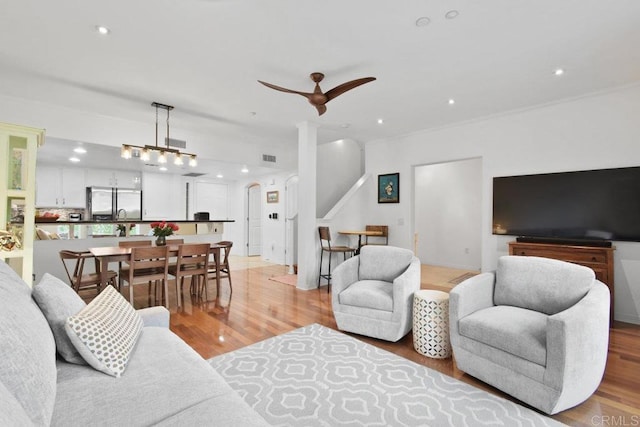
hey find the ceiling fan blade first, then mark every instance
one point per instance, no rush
(321, 109)
(283, 89)
(339, 90)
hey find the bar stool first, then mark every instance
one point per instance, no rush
(325, 235)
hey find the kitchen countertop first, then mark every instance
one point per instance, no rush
(132, 221)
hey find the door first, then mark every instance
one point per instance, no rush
(254, 220)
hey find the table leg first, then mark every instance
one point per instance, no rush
(216, 258)
(104, 268)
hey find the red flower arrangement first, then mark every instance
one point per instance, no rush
(164, 228)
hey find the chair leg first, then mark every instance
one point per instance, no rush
(320, 272)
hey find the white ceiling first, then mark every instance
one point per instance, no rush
(205, 57)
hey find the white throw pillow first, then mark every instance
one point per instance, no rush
(105, 332)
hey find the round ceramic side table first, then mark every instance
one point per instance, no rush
(431, 323)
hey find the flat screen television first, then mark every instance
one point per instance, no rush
(588, 205)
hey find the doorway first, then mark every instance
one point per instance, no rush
(448, 214)
(254, 220)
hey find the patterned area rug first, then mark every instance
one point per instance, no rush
(315, 376)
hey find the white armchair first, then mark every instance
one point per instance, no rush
(373, 292)
(537, 329)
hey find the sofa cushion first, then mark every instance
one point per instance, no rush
(374, 294)
(105, 332)
(27, 349)
(383, 262)
(515, 330)
(164, 378)
(58, 301)
(541, 284)
(11, 412)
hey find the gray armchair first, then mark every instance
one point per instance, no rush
(373, 292)
(537, 329)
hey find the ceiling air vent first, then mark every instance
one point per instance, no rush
(268, 158)
(193, 174)
(177, 143)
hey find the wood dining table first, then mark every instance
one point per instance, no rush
(107, 254)
(360, 233)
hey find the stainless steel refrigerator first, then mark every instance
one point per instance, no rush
(105, 203)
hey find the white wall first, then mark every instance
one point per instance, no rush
(599, 131)
(448, 214)
(339, 166)
(66, 123)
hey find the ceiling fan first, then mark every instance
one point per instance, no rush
(317, 98)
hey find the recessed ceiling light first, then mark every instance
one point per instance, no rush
(101, 29)
(74, 159)
(380, 121)
(345, 125)
(79, 150)
(558, 72)
(452, 14)
(244, 169)
(452, 101)
(162, 168)
(423, 21)
(219, 176)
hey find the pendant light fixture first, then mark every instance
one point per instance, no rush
(162, 151)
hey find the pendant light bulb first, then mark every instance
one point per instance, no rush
(125, 153)
(178, 160)
(144, 156)
(192, 161)
(162, 157)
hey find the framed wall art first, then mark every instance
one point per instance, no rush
(389, 188)
(272, 196)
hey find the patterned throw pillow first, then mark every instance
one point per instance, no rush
(105, 332)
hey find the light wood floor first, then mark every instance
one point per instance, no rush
(260, 308)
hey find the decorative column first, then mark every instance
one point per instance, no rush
(307, 227)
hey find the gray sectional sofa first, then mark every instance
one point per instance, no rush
(165, 383)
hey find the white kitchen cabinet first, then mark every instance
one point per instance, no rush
(113, 178)
(162, 197)
(60, 187)
(211, 197)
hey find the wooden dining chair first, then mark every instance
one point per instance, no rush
(78, 278)
(123, 267)
(225, 269)
(193, 261)
(149, 264)
(383, 239)
(326, 246)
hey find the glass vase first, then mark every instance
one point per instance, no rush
(161, 241)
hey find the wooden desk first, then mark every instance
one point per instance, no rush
(107, 254)
(360, 233)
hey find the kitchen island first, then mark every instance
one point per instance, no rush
(82, 235)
